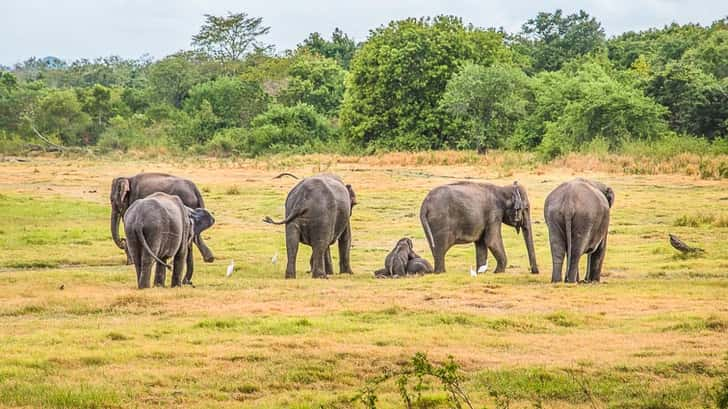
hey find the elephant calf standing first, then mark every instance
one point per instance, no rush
(159, 227)
(318, 210)
(577, 216)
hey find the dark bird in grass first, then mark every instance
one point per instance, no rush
(682, 246)
(62, 287)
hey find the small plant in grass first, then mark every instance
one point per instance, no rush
(233, 190)
(419, 368)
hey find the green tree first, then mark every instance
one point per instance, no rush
(697, 101)
(229, 38)
(586, 102)
(171, 78)
(553, 38)
(398, 76)
(234, 101)
(491, 99)
(658, 46)
(317, 81)
(288, 129)
(341, 47)
(60, 114)
(711, 55)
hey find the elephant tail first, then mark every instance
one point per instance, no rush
(140, 235)
(287, 220)
(567, 234)
(286, 174)
(428, 231)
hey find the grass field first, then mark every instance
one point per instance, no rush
(654, 334)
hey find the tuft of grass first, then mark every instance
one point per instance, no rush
(233, 190)
(564, 319)
(117, 336)
(694, 220)
(57, 396)
(698, 324)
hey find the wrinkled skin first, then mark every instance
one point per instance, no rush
(468, 212)
(160, 227)
(403, 260)
(125, 191)
(318, 212)
(577, 216)
(396, 261)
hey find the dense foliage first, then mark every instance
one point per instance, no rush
(556, 86)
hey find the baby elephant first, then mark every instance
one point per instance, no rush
(577, 216)
(403, 260)
(158, 227)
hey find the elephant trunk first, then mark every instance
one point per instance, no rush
(207, 255)
(528, 238)
(115, 217)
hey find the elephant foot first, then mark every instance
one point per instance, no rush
(535, 271)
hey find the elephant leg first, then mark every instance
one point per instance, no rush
(495, 245)
(207, 255)
(595, 261)
(128, 255)
(292, 241)
(481, 253)
(328, 265)
(179, 262)
(345, 251)
(573, 256)
(160, 274)
(145, 273)
(318, 269)
(439, 250)
(558, 252)
(190, 268)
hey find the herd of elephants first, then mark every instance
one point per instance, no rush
(164, 214)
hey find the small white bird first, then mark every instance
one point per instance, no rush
(274, 259)
(482, 269)
(230, 269)
(473, 273)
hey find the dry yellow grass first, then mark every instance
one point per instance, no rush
(654, 331)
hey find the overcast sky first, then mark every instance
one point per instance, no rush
(72, 29)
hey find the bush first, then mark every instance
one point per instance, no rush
(572, 109)
(127, 133)
(233, 101)
(227, 142)
(288, 129)
(317, 81)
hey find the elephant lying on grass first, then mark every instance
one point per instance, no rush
(577, 216)
(403, 260)
(126, 190)
(318, 210)
(159, 227)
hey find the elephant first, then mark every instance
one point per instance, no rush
(158, 227)
(318, 212)
(577, 216)
(469, 212)
(403, 260)
(127, 190)
(418, 265)
(395, 263)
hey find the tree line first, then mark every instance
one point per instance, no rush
(556, 86)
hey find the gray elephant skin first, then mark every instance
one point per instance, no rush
(127, 190)
(160, 227)
(577, 216)
(403, 260)
(318, 212)
(469, 212)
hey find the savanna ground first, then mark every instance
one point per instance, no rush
(653, 334)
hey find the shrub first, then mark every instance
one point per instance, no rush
(288, 129)
(235, 102)
(228, 142)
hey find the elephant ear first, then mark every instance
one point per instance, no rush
(120, 192)
(517, 207)
(352, 195)
(609, 193)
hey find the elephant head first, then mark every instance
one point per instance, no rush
(119, 198)
(518, 215)
(201, 221)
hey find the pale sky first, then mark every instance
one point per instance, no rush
(71, 29)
